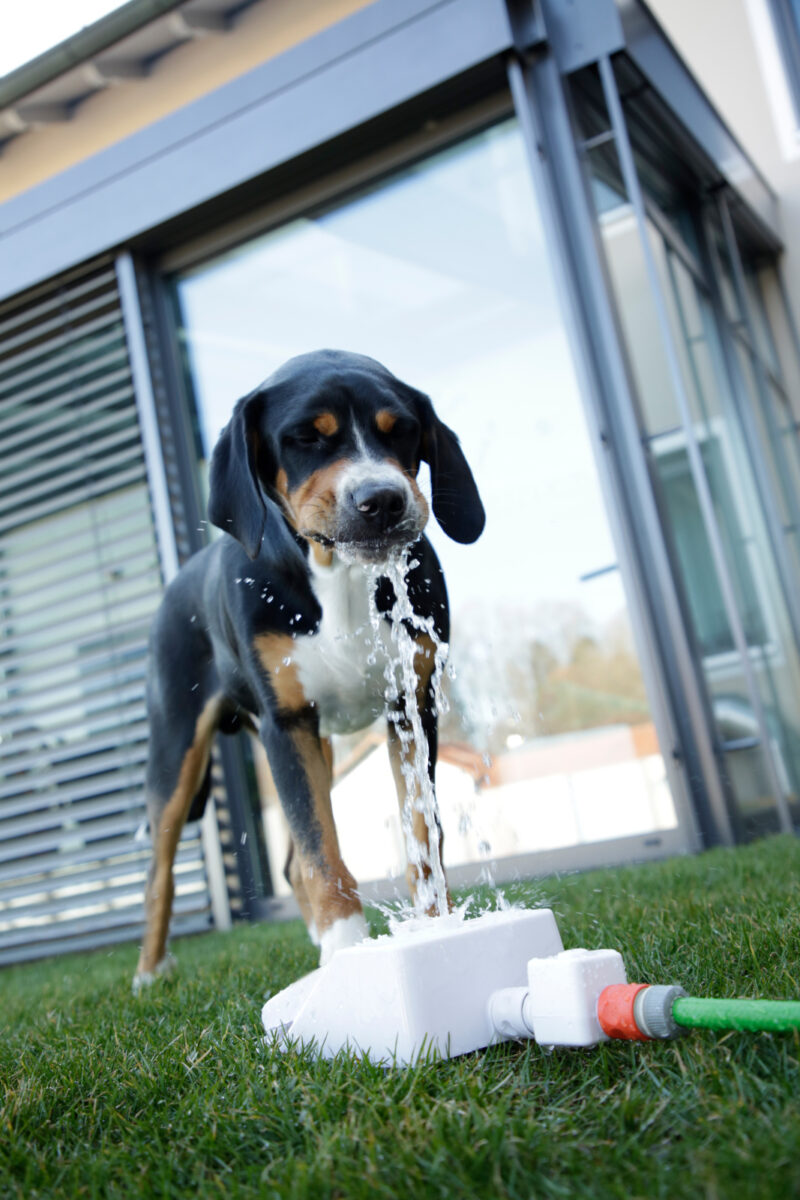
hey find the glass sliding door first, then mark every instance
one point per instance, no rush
(719, 464)
(442, 273)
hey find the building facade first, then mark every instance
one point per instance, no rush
(534, 213)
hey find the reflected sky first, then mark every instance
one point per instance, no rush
(443, 274)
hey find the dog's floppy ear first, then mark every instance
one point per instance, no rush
(239, 462)
(456, 503)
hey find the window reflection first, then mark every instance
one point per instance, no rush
(726, 466)
(443, 274)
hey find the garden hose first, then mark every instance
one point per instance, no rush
(641, 1012)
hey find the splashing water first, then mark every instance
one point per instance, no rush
(402, 707)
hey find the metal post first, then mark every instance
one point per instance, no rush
(684, 723)
(696, 466)
(165, 534)
(787, 576)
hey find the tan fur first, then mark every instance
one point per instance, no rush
(324, 888)
(326, 424)
(161, 888)
(327, 884)
(402, 750)
(311, 507)
(385, 421)
(272, 650)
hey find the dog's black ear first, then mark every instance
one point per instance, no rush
(456, 503)
(239, 464)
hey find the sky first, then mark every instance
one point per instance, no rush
(39, 24)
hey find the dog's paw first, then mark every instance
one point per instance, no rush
(347, 931)
(146, 979)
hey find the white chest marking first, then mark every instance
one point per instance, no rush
(342, 667)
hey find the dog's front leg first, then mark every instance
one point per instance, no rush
(301, 770)
(403, 735)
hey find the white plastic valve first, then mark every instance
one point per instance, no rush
(563, 990)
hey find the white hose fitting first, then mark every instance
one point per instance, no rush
(506, 1009)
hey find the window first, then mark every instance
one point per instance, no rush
(443, 273)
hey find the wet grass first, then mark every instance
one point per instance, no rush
(103, 1095)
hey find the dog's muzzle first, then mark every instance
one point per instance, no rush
(377, 514)
(380, 507)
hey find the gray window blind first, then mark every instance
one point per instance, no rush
(79, 581)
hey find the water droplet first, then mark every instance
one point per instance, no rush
(287, 662)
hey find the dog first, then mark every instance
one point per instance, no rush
(314, 484)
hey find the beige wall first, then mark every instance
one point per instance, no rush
(730, 47)
(260, 33)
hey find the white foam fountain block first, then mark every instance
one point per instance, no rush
(424, 989)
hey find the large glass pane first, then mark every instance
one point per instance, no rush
(443, 274)
(737, 523)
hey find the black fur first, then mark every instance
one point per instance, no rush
(256, 580)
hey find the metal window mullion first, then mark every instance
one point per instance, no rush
(789, 582)
(694, 455)
(145, 405)
(165, 534)
(571, 227)
(794, 334)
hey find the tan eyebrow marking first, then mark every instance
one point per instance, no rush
(385, 420)
(326, 424)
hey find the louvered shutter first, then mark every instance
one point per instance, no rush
(79, 581)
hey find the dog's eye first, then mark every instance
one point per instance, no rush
(308, 437)
(401, 427)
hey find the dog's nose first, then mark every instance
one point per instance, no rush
(380, 504)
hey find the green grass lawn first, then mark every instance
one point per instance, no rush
(172, 1095)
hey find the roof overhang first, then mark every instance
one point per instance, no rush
(121, 46)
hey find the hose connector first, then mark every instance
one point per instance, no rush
(639, 1012)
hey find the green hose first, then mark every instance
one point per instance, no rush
(773, 1016)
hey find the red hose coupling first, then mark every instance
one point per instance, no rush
(615, 1011)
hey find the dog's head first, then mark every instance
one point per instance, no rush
(336, 441)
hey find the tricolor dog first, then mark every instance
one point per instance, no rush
(314, 483)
